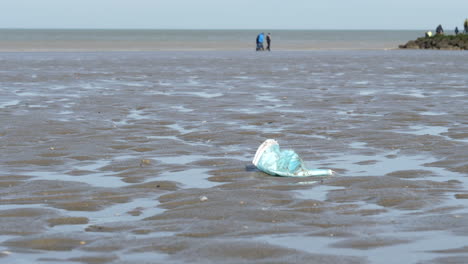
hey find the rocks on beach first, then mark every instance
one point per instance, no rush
(440, 42)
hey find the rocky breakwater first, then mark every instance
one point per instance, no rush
(441, 42)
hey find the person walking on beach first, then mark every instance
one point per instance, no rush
(456, 30)
(257, 41)
(268, 39)
(260, 39)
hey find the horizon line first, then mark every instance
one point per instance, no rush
(211, 29)
(207, 29)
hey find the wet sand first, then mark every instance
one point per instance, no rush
(144, 157)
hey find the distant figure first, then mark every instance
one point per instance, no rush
(257, 41)
(260, 39)
(268, 38)
(456, 31)
(465, 25)
(439, 30)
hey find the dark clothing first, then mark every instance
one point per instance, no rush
(268, 39)
(257, 43)
(259, 46)
(439, 30)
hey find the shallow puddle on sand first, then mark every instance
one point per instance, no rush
(189, 178)
(182, 109)
(93, 177)
(358, 145)
(181, 159)
(382, 164)
(126, 257)
(416, 248)
(318, 192)
(5, 238)
(430, 113)
(120, 212)
(135, 114)
(192, 178)
(426, 130)
(206, 95)
(9, 103)
(78, 256)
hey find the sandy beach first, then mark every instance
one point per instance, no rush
(145, 157)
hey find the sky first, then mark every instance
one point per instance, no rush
(233, 14)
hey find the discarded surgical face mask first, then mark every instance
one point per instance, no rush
(270, 159)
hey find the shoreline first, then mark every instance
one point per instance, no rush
(196, 49)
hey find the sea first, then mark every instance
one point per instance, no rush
(187, 40)
(136, 146)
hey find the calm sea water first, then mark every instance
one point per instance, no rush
(30, 40)
(145, 157)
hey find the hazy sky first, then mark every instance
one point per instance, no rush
(234, 14)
